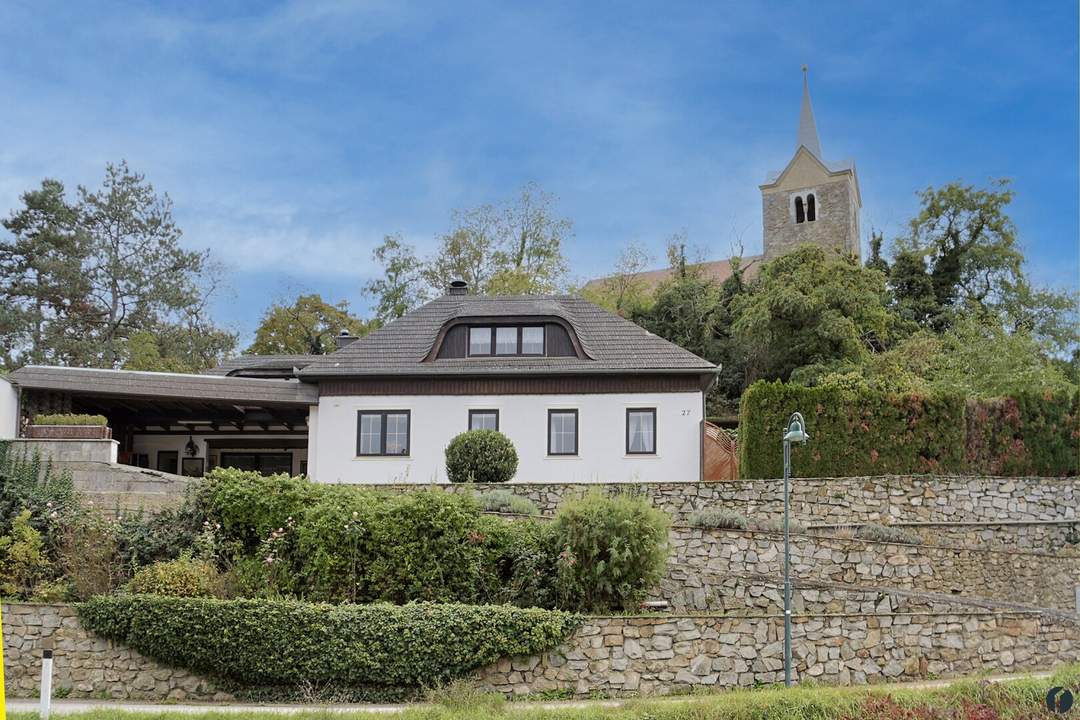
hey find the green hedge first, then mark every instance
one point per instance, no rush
(70, 419)
(481, 456)
(869, 432)
(284, 643)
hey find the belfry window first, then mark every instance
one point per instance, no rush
(800, 212)
(811, 208)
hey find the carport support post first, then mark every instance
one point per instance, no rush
(46, 677)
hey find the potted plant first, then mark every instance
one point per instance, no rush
(69, 427)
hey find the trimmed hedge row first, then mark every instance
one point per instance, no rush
(285, 643)
(70, 419)
(869, 432)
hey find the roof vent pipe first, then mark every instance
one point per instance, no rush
(458, 287)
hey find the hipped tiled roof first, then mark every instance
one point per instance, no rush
(611, 343)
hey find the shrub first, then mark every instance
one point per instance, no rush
(861, 431)
(886, 534)
(70, 419)
(776, 525)
(249, 506)
(183, 577)
(612, 551)
(481, 456)
(22, 558)
(89, 554)
(718, 518)
(504, 501)
(28, 482)
(282, 643)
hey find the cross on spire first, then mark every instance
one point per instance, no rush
(808, 136)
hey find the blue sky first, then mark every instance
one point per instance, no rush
(292, 136)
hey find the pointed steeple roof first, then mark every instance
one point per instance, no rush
(808, 136)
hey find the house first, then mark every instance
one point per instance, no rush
(584, 395)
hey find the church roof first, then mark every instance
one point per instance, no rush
(808, 137)
(716, 270)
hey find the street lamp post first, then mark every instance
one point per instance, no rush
(796, 432)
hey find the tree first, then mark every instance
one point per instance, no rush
(80, 280)
(400, 287)
(40, 274)
(624, 292)
(467, 252)
(810, 307)
(685, 305)
(308, 325)
(973, 357)
(510, 249)
(529, 251)
(961, 256)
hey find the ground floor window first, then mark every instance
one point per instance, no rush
(263, 463)
(483, 419)
(168, 461)
(382, 432)
(562, 432)
(641, 431)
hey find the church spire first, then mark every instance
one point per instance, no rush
(808, 136)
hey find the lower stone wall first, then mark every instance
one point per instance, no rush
(704, 562)
(661, 655)
(644, 655)
(84, 665)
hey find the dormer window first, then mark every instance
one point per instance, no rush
(480, 341)
(506, 341)
(532, 340)
(487, 337)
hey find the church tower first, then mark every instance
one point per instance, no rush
(812, 200)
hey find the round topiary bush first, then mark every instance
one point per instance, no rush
(481, 456)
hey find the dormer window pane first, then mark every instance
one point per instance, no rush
(480, 341)
(506, 341)
(532, 341)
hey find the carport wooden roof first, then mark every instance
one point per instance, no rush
(166, 386)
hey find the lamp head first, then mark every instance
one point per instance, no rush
(796, 432)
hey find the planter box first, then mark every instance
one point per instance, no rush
(69, 432)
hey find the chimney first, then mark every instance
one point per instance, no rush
(344, 339)
(458, 287)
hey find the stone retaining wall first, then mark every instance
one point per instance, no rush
(890, 498)
(614, 655)
(84, 665)
(708, 569)
(660, 655)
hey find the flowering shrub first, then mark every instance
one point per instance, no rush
(284, 643)
(481, 456)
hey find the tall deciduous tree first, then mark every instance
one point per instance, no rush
(400, 286)
(308, 325)
(624, 291)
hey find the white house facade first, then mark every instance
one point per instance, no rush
(584, 395)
